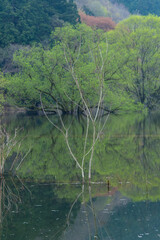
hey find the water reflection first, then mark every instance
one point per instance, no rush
(127, 162)
(9, 194)
(96, 214)
(127, 152)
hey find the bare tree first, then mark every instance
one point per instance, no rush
(93, 114)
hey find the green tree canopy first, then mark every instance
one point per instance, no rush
(135, 42)
(46, 71)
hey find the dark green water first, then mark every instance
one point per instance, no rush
(42, 197)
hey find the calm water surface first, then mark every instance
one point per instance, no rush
(41, 196)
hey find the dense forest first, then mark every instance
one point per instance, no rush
(46, 46)
(24, 22)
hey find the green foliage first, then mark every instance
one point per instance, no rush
(44, 71)
(78, 53)
(135, 47)
(130, 70)
(25, 22)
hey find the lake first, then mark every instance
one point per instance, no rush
(41, 194)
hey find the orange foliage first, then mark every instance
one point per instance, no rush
(104, 23)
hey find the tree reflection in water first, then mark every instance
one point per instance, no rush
(126, 207)
(9, 192)
(88, 222)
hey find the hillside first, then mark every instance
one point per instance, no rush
(103, 8)
(143, 7)
(119, 9)
(25, 22)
